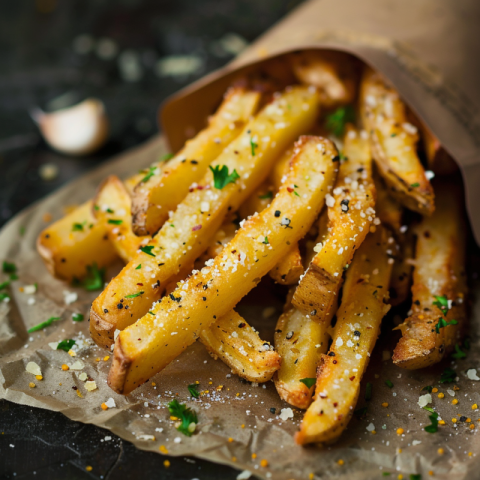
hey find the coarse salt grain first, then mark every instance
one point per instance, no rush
(424, 400)
(78, 365)
(472, 374)
(90, 385)
(33, 368)
(110, 403)
(370, 427)
(286, 413)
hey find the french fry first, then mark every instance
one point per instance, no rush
(258, 201)
(350, 214)
(238, 345)
(356, 331)
(112, 208)
(75, 241)
(330, 72)
(394, 143)
(300, 342)
(402, 271)
(289, 269)
(230, 338)
(439, 271)
(387, 208)
(190, 229)
(209, 294)
(163, 190)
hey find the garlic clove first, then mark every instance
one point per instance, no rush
(77, 130)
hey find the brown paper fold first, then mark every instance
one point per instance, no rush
(424, 48)
(428, 49)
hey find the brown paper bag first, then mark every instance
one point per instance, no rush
(426, 48)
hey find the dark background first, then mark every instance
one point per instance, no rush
(115, 51)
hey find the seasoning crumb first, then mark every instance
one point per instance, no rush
(474, 406)
(340, 462)
(230, 440)
(264, 463)
(106, 358)
(39, 377)
(166, 463)
(441, 395)
(65, 367)
(88, 468)
(31, 385)
(163, 449)
(384, 404)
(400, 431)
(254, 456)
(454, 401)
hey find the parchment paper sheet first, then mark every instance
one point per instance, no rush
(247, 418)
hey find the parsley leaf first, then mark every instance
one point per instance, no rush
(187, 416)
(448, 376)
(266, 242)
(433, 428)
(415, 476)
(368, 392)
(114, 222)
(138, 267)
(429, 409)
(361, 412)
(415, 185)
(388, 383)
(94, 279)
(66, 345)
(335, 122)
(166, 157)
(77, 317)
(253, 146)
(4, 295)
(148, 250)
(266, 195)
(4, 285)
(428, 389)
(193, 390)
(78, 227)
(43, 325)
(221, 177)
(308, 382)
(153, 170)
(459, 353)
(443, 323)
(9, 267)
(442, 303)
(133, 295)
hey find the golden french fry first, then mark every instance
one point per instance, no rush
(112, 208)
(402, 271)
(350, 214)
(394, 143)
(164, 189)
(190, 229)
(356, 331)
(331, 72)
(387, 208)
(289, 269)
(209, 294)
(75, 241)
(439, 271)
(299, 341)
(239, 346)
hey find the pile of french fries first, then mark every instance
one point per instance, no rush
(310, 172)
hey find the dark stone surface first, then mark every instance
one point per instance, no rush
(38, 62)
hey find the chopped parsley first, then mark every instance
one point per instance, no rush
(368, 392)
(138, 267)
(4, 295)
(4, 285)
(459, 353)
(388, 383)
(153, 170)
(114, 222)
(9, 267)
(253, 146)
(66, 345)
(336, 121)
(187, 416)
(193, 389)
(133, 295)
(448, 376)
(109, 210)
(308, 382)
(78, 227)
(94, 279)
(43, 325)
(221, 177)
(415, 185)
(77, 317)
(443, 323)
(151, 313)
(415, 476)
(266, 195)
(442, 303)
(433, 428)
(266, 241)
(21, 231)
(361, 412)
(428, 389)
(166, 157)
(148, 250)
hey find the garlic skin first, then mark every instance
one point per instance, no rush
(77, 130)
